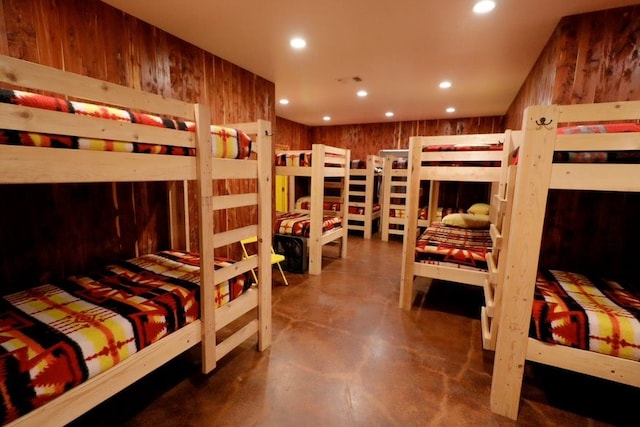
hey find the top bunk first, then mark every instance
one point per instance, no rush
(105, 132)
(474, 158)
(587, 146)
(334, 162)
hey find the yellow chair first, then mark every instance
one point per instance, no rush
(275, 258)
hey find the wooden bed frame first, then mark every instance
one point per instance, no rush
(20, 164)
(392, 179)
(362, 191)
(499, 205)
(328, 162)
(536, 176)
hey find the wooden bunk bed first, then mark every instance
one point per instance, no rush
(539, 173)
(394, 194)
(312, 222)
(21, 164)
(363, 206)
(466, 255)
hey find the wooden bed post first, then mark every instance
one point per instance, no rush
(317, 199)
(265, 224)
(345, 204)
(411, 224)
(387, 162)
(523, 250)
(368, 197)
(205, 229)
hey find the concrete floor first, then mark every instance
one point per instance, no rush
(344, 354)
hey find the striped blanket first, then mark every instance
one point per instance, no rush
(56, 336)
(462, 247)
(226, 142)
(299, 224)
(587, 313)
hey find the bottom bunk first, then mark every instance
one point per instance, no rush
(299, 224)
(69, 345)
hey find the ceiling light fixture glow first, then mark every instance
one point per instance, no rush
(484, 6)
(450, 110)
(362, 93)
(298, 43)
(284, 101)
(445, 84)
(326, 118)
(389, 114)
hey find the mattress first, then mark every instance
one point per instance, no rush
(588, 313)
(453, 246)
(299, 224)
(58, 335)
(628, 156)
(226, 142)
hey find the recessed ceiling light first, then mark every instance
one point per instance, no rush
(298, 43)
(284, 101)
(451, 110)
(445, 84)
(389, 114)
(484, 6)
(326, 118)
(362, 93)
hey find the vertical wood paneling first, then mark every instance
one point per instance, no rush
(288, 135)
(590, 58)
(64, 229)
(365, 139)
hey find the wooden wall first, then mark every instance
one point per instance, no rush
(290, 135)
(364, 139)
(593, 57)
(83, 226)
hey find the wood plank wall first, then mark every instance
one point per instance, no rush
(55, 230)
(365, 139)
(593, 57)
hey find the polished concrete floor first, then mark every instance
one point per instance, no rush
(344, 354)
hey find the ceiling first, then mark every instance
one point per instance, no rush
(400, 50)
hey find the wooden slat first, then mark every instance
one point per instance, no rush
(31, 119)
(27, 74)
(229, 237)
(604, 111)
(228, 169)
(470, 277)
(601, 177)
(617, 369)
(496, 237)
(468, 174)
(51, 165)
(598, 142)
(236, 308)
(237, 338)
(229, 272)
(230, 201)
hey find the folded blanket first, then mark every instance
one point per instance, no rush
(226, 142)
(56, 336)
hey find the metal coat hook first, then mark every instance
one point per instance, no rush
(543, 122)
(266, 133)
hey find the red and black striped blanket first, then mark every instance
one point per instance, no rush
(56, 336)
(588, 313)
(226, 142)
(462, 247)
(299, 224)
